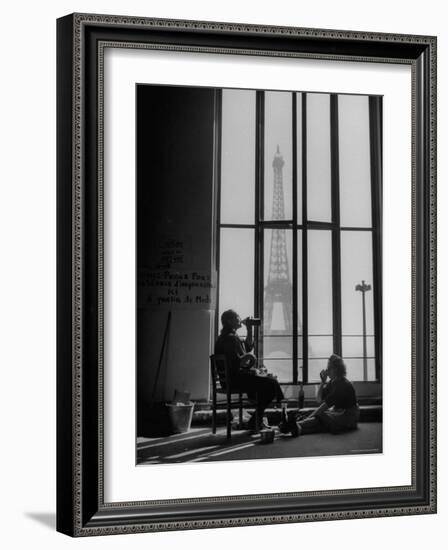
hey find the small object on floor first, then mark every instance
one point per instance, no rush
(267, 436)
(287, 420)
(180, 415)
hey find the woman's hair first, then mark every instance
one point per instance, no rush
(337, 363)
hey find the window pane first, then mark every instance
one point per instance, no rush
(238, 156)
(314, 368)
(277, 303)
(355, 369)
(357, 301)
(277, 357)
(354, 161)
(318, 157)
(299, 157)
(236, 272)
(277, 307)
(277, 347)
(280, 368)
(290, 391)
(356, 268)
(353, 346)
(278, 156)
(320, 347)
(320, 296)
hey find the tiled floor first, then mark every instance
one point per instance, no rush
(199, 445)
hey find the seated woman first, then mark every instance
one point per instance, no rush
(338, 410)
(264, 388)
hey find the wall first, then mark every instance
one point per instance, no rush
(174, 248)
(27, 223)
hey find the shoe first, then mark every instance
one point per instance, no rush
(256, 428)
(284, 427)
(289, 427)
(295, 430)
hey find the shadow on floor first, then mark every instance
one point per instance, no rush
(200, 445)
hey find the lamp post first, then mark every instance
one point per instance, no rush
(363, 288)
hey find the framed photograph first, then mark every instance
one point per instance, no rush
(246, 274)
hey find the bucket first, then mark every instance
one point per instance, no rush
(180, 415)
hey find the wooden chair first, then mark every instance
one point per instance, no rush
(220, 376)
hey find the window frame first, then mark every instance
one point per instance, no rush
(334, 226)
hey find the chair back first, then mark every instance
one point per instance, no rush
(219, 369)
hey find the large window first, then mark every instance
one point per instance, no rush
(299, 227)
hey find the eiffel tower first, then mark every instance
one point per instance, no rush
(278, 289)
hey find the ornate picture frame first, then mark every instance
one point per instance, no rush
(81, 506)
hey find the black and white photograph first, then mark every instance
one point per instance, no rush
(259, 274)
(222, 240)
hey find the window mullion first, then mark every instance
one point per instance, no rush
(295, 369)
(336, 235)
(259, 207)
(217, 202)
(304, 244)
(375, 117)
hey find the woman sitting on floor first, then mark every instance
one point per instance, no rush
(338, 410)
